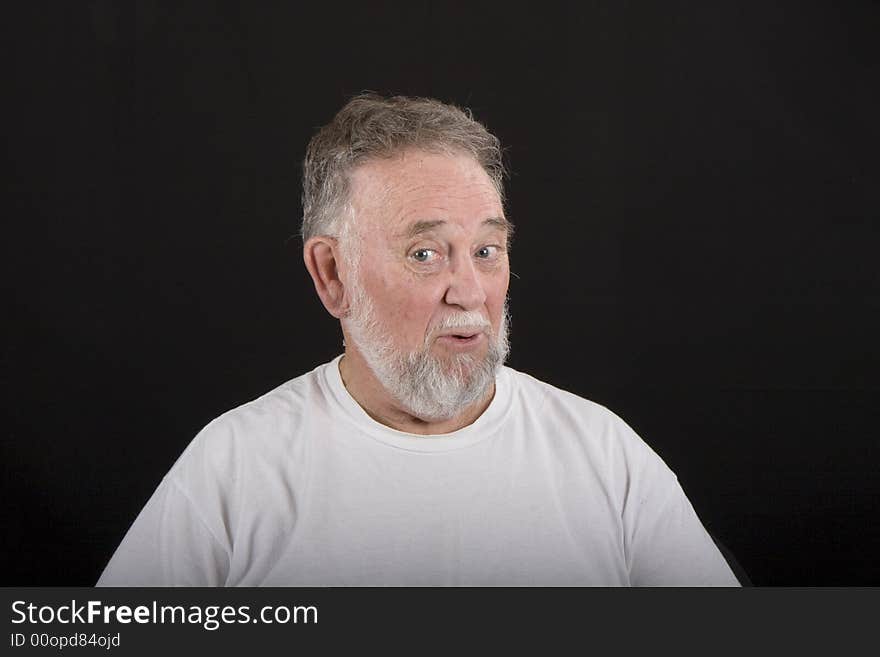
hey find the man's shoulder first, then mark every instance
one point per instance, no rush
(566, 415)
(262, 426)
(283, 403)
(551, 398)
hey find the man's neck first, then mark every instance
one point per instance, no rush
(371, 395)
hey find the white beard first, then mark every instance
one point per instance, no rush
(421, 383)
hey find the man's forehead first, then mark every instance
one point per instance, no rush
(417, 191)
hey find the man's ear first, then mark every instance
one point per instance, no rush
(321, 255)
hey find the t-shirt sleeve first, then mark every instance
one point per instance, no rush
(670, 546)
(169, 544)
(665, 542)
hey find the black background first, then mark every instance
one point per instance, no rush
(695, 190)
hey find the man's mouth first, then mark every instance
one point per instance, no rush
(461, 339)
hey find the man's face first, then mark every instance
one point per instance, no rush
(428, 296)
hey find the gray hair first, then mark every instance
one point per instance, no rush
(371, 126)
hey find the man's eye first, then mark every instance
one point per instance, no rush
(422, 255)
(486, 251)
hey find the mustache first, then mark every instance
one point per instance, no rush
(472, 321)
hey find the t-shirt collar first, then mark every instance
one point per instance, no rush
(484, 427)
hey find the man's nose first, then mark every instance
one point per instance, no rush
(465, 288)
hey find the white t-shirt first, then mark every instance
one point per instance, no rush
(302, 488)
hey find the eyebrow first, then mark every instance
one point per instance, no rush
(422, 227)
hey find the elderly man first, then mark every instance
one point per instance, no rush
(416, 457)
